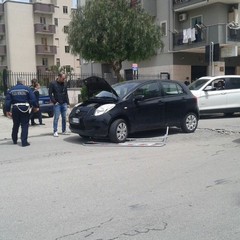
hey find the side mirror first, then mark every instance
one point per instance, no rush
(209, 88)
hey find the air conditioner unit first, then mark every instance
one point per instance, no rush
(182, 17)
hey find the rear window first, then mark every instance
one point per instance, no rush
(233, 83)
(172, 88)
(43, 91)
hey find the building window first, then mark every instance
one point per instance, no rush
(65, 29)
(58, 62)
(67, 49)
(56, 21)
(45, 62)
(163, 26)
(57, 42)
(42, 20)
(65, 9)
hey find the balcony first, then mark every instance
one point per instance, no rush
(150, 6)
(1, 9)
(43, 8)
(183, 5)
(219, 33)
(3, 51)
(46, 50)
(44, 29)
(2, 29)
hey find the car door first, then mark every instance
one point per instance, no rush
(148, 109)
(210, 100)
(175, 100)
(233, 93)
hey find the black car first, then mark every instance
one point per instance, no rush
(132, 106)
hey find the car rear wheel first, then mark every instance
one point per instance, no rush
(189, 123)
(118, 131)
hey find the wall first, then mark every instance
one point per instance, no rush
(20, 37)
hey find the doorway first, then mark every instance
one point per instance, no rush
(197, 72)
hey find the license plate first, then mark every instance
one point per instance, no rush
(75, 120)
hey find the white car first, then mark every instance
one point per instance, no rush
(219, 94)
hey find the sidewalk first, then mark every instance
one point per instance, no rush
(6, 127)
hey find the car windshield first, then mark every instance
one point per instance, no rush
(122, 89)
(196, 85)
(43, 91)
(105, 94)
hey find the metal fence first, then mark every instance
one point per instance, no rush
(9, 79)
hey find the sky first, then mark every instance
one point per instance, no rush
(74, 2)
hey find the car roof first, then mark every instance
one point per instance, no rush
(220, 76)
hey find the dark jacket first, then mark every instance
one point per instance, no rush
(58, 92)
(20, 94)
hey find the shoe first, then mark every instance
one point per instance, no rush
(41, 123)
(55, 134)
(26, 144)
(33, 124)
(65, 133)
(14, 142)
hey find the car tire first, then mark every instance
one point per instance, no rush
(118, 131)
(189, 123)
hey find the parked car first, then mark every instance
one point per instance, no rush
(218, 94)
(133, 106)
(46, 106)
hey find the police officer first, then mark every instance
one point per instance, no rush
(19, 100)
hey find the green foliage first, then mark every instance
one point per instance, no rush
(108, 31)
(84, 95)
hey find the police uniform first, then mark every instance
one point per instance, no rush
(19, 100)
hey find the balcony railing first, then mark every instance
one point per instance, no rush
(43, 28)
(184, 4)
(219, 33)
(2, 50)
(1, 9)
(2, 29)
(46, 50)
(43, 8)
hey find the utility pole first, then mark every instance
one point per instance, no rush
(211, 53)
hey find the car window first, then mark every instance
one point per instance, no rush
(196, 85)
(233, 83)
(149, 90)
(172, 88)
(43, 91)
(218, 84)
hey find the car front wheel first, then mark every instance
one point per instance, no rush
(189, 123)
(118, 131)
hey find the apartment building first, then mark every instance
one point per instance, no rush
(33, 36)
(201, 37)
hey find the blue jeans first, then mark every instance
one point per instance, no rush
(60, 109)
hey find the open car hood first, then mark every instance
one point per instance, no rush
(95, 85)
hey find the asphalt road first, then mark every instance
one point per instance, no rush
(61, 189)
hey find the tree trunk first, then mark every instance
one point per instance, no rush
(117, 66)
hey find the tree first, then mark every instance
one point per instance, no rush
(111, 31)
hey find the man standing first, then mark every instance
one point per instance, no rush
(59, 96)
(21, 99)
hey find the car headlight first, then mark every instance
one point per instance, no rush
(103, 109)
